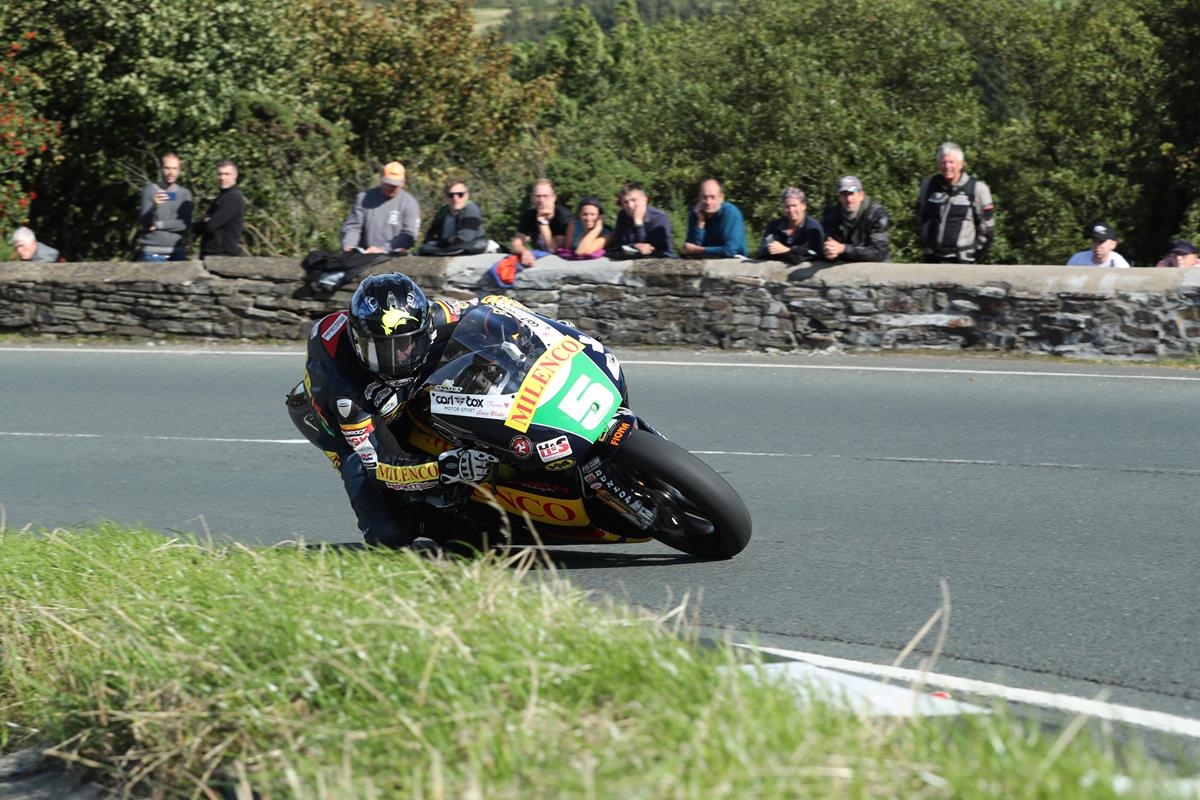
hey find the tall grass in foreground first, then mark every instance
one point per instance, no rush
(181, 668)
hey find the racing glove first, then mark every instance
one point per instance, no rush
(462, 465)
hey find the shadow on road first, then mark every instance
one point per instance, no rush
(600, 558)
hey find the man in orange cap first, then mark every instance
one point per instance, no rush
(384, 219)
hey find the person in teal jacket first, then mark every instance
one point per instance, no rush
(715, 228)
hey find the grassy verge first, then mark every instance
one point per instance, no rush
(180, 668)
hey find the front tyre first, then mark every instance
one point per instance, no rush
(699, 512)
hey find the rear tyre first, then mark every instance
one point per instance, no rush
(699, 512)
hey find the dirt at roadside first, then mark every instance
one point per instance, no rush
(28, 775)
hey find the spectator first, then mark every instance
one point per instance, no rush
(30, 249)
(641, 230)
(221, 228)
(1182, 255)
(715, 228)
(385, 219)
(795, 237)
(587, 233)
(457, 227)
(543, 227)
(165, 215)
(1103, 251)
(954, 212)
(856, 227)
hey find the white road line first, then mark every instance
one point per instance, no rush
(1156, 720)
(948, 371)
(155, 351)
(217, 439)
(740, 453)
(1020, 464)
(294, 353)
(839, 456)
(52, 435)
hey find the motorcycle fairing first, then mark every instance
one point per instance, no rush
(553, 381)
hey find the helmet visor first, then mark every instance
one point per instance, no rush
(393, 356)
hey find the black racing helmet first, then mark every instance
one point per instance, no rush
(391, 325)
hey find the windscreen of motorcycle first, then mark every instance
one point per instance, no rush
(508, 374)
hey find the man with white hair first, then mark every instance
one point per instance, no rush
(954, 212)
(30, 249)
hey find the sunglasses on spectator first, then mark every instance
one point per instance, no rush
(456, 194)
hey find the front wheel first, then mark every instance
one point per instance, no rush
(698, 511)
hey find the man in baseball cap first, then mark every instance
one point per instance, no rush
(1103, 252)
(856, 227)
(1182, 255)
(384, 219)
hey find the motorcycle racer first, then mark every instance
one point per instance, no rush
(364, 367)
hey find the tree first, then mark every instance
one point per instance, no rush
(1170, 202)
(533, 21)
(308, 96)
(411, 79)
(132, 79)
(1067, 85)
(781, 93)
(26, 138)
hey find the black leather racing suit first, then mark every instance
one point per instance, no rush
(352, 415)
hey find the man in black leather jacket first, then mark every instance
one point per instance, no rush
(856, 227)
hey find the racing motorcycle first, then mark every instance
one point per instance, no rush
(575, 463)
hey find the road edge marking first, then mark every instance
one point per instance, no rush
(1154, 720)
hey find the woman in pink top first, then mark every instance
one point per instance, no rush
(587, 235)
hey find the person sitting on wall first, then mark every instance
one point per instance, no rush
(457, 227)
(29, 248)
(587, 234)
(1103, 252)
(1182, 255)
(384, 219)
(795, 237)
(715, 228)
(641, 230)
(542, 229)
(856, 227)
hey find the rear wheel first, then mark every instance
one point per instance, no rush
(698, 511)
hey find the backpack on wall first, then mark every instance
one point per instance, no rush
(327, 272)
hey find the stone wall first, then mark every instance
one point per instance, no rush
(1075, 311)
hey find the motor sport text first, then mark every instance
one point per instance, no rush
(543, 371)
(481, 406)
(552, 511)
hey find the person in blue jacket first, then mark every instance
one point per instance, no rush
(715, 228)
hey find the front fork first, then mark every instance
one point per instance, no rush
(613, 484)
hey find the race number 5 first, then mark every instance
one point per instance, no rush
(587, 402)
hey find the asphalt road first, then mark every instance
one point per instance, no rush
(1058, 502)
